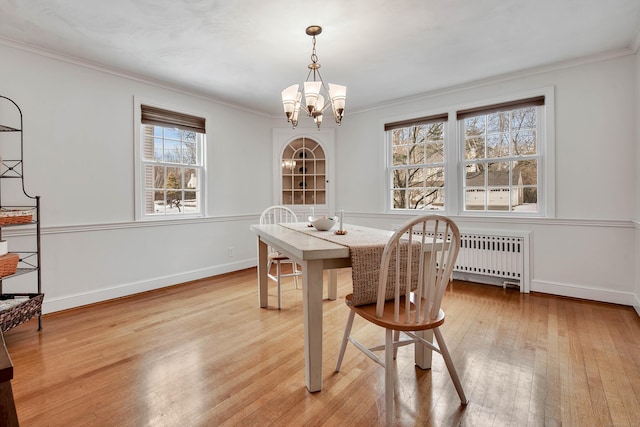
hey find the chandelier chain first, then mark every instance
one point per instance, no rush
(314, 56)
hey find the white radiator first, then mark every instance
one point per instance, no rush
(497, 255)
(500, 256)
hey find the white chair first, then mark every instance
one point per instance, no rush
(414, 306)
(279, 215)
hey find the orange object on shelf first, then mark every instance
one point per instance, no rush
(8, 264)
(12, 216)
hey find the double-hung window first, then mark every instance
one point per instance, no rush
(171, 168)
(417, 168)
(502, 156)
(499, 160)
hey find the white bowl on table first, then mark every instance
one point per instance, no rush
(323, 224)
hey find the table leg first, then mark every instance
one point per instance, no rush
(312, 305)
(423, 354)
(333, 284)
(263, 258)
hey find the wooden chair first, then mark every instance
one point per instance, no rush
(279, 215)
(407, 310)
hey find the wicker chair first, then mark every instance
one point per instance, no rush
(420, 257)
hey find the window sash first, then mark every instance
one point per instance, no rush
(183, 189)
(148, 163)
(425, 190)
(487, 188)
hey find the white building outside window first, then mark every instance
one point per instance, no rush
(501, 156)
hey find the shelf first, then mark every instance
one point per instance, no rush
(17, 308)
(19, 272)
(303, 173)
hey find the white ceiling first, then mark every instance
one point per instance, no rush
(246, 51)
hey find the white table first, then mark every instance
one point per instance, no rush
(314, 255)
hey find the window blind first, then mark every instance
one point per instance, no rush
(417, 121)
(160, 117)
(511, 105)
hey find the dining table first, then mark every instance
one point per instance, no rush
(316, 251)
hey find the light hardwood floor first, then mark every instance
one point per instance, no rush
(204, 354)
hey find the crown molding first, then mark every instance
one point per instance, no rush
(37, 50)
(556, 66)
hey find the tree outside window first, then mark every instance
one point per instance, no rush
(498, 160)
(170, 163)
(417, 166)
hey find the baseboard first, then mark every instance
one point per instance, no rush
(66, 302)
(577, 291)
(486, 280)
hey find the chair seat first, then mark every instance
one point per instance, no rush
(278, 257)
(368, 312)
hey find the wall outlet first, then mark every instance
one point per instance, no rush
(230, 251)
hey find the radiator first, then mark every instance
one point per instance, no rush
(498, 256)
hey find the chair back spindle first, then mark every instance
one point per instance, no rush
(278, 215)
(418, 261)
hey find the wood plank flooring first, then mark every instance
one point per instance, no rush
(204, 354)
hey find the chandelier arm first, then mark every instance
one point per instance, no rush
(326, 104)
(309, 75)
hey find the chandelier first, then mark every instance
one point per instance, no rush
(314, 101)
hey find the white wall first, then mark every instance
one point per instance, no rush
(78, 156)
(588, 249)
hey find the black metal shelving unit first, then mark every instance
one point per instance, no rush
(17, 308)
